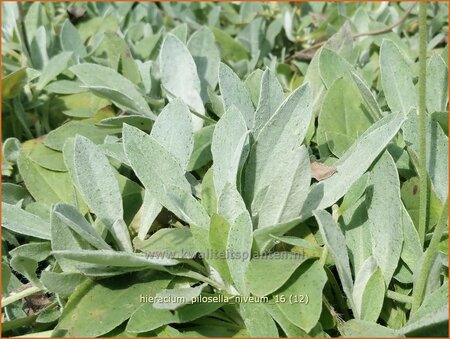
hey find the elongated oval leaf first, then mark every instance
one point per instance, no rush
(308, 281)
(73, 219)
(281, 266)
(38, 48)
(368, 291)
(253, 85)
(355, 225)
(142, 150)
(115, 258)
(70, 39)
(412, 249)
(385, 204)
(96, 180)
(227, 148)
(332, 66)
(219, 230)
(109, 84)
(20, 221)
(147, 214)
(282, 199)
(55, 66)
(99, 188)
(286, 129)
(334, 239)
(396, 79)
(234, 93)
(367, 95)
(179, 75)
(45, 186)
(202, 46)
(240, 236)
(437, 85)
(173, 130)
(270, 98)
(252, 37)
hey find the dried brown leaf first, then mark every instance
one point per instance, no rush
(321, 171)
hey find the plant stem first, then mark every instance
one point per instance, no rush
(422, 121)
(419, 286)
(17, 323)
(22, 294)
(406, 299)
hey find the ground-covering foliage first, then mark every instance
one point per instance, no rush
(224, 169)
